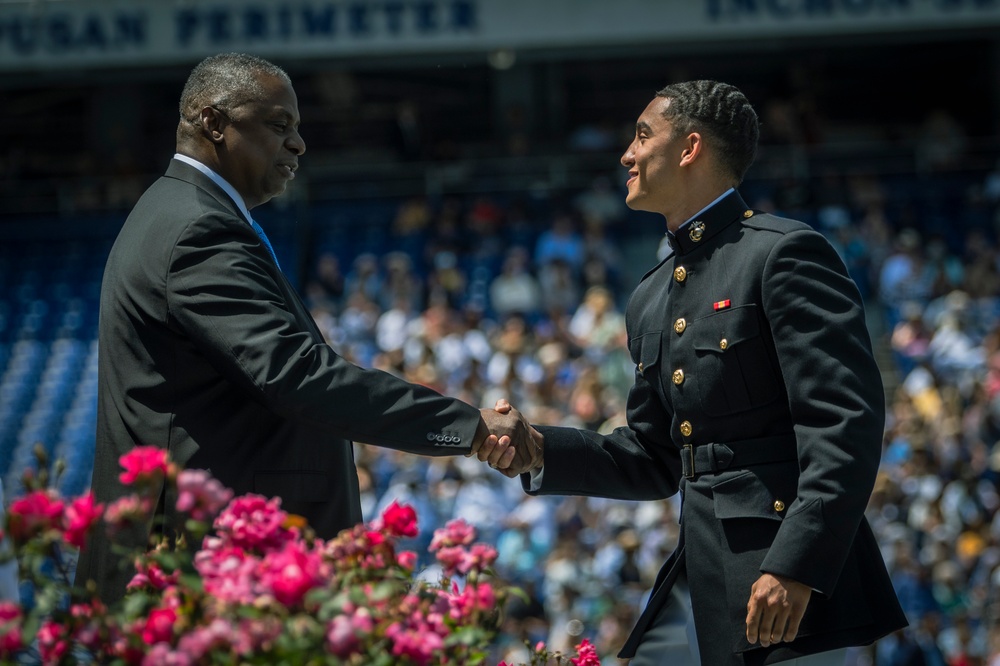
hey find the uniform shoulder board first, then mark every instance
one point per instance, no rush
(768, 222)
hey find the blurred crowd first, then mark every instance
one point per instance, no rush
(480, 302)
(484, 297)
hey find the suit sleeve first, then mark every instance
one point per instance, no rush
(223, 293)
(836, 402)
(637, 462)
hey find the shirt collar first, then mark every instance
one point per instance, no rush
(218, 180)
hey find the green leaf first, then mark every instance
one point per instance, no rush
(135, 604)
(192, 582)
(30, 628)
(469, 637)
(383, 659)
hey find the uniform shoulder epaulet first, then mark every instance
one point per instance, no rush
(769, 222)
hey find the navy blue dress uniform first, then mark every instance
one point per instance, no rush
(757, 396)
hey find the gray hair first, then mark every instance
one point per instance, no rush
(228, 81)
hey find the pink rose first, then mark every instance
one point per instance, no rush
(588, 655)
(80, 517)
(399, 520)
(123, 648)
(126, 511)
(346, 632)
(33, 514)
(415, 643)
(479, 557)
(143, 465)
(228, 573)
(451, 559)
(149, 574)
(254, 522)
(87, 620)
(290, 573)
(200, 495)
(162, 655)
(253, 634)
(159, 627)
(52, 643)
(200, 640)
(10, 628)
(455, 533)
(407, 560)
(473, 598)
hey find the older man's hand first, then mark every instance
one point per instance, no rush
(507, 441)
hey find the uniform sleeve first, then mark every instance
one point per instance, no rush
(836, 402)
(223, 294)
(636, 462)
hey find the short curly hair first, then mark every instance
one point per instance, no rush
(226, 80)
(722, 114)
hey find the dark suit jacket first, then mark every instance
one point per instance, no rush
(750, 330)
(207, 350)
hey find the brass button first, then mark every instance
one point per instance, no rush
(641, 366)
(686, 428)
(678, 377)
(697, 231)
(748, 213)
(779, 506)
(723, 343)
(680, 274)
(680, 325)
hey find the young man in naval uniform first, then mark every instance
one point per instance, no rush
(756, 396)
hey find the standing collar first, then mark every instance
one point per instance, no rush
(709, 221)
(218, 180)
(717, 200)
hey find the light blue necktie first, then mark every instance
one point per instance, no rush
(267, 243)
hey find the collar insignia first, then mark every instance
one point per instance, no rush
(697, 231)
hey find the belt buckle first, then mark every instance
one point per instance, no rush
(689, 449)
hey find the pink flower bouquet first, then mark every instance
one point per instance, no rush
(261, 588)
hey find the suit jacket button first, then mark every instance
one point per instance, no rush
(686, 428)
(678, 377)
(748, 213)
(779, 506)
(680, 274)
(680, 325)
(641, 367)
(723, 344)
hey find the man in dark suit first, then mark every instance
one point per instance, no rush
(756, 395)
(207, 350)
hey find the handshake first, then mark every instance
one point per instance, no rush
(507, 441)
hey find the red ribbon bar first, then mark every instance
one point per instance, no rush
(721, 305)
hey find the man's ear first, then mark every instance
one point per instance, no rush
(212, 122)
(693, 146)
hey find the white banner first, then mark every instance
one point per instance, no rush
(48, 34)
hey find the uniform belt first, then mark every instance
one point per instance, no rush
(718, 456)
